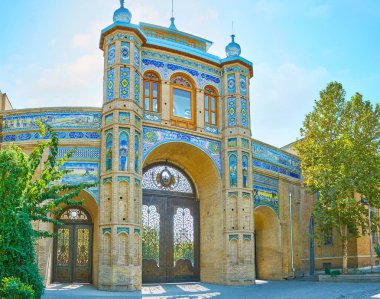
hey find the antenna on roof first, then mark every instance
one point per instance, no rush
(172, 25)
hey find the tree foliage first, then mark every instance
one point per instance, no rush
(28, 194)
(339, 154)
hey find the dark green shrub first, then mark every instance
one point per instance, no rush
(13, 288)
(377, 250)
(334, 273)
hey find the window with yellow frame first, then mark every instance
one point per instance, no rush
(211, 106)
(152, 94)
(182, 101)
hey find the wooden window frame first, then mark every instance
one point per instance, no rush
(180, 121)
(208, 109)
(151, 98)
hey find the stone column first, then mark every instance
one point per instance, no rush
(121, 152)
(237, 178)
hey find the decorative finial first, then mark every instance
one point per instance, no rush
(172, 25)
(233, 49)
(122, 14)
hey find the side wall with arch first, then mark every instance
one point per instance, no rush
(268, 249)
(45, 247)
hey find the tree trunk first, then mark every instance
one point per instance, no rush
(345, 250)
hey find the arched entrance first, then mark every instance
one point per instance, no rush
(73, 246)
(268, 254)
(170, 217)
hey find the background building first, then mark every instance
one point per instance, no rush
(184, 192)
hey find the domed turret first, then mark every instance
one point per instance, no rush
(122, 14)
(233, 49)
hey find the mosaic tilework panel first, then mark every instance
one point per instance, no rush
(244, 112)
(110, 84)
(124, 117)
(121, 36)
(124, 83)
(82, 172)
(153, 137)
(212, 130)
(232, 112)
(263, 196)
(137, 88)
(123, 178)
(137, 57)
(275, 157)
(235, 69)
(120, 230)
(275, 169)
(231, 84)
(245, 143)
(232, 142)
(108, 119)
(61, 135)
(85, 153)
(181, 61)
(111, 55)
(152, 117)
(243, 85)
(166, 69)
(266, 181)
(125, 52)
(63, 120)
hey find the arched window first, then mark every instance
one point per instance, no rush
(233, 170)
(109, 152)
(137, 147)
(211, 106)
(152, 92)
(123, 151)
(182, 101)
(245, 170)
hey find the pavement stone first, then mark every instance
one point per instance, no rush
(263, 289)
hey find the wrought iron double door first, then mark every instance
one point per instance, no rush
(170, 238)
(73, 252)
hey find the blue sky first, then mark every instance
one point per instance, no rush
(49, 53)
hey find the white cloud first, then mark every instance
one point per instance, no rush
(78, 83)
(281, 96)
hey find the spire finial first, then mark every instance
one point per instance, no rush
(172, 25)
(122, 14)
(233, 28)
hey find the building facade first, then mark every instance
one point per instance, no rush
(184, 193)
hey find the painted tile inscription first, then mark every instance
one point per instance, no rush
(83, 120)
(270, 155)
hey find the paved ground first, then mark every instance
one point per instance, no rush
(263, 289)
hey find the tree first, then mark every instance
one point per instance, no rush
(339, 153)
(26, 196)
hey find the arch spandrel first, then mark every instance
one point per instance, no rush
(153, 137)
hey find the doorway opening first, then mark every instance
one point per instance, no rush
(73, 247)
(170, 217)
